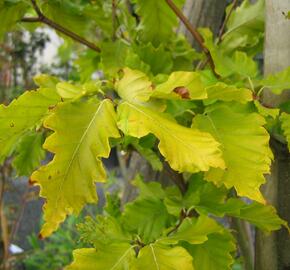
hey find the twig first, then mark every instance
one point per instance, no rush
(114, 19)
(221, 32)
(177, 178)
(182, 216)
(43, 19)
(193, 32)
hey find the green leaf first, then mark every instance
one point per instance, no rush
(159, 257)
(189, 82)
(185, 149)
(157, 20)
(285, 122)
(266, 112)
(134, 86)
(80, 139)
(29, 153)
(229, 64)
(151, 190)
(87, 64)
(113, 257)
(68, 14)
(201, 195)
(262, 216)
(245, 28)
(101, 13)
(113, 56)
(222, 91)
(247, 16)
(23, 114)
(215, 253)
(277, 82)
(149, 155)
(157, 58)
(10, 13)
(151, 210)
(193, 231)
(102, 232)
(246, 151)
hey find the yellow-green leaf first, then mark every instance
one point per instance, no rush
(185, 149)
(277, 82)
(189, 82)
(23, 114)
(222, 91)
(81, 137)
(158, 257)
(215, 253)
(193, 231)
(112, 257)
(245, 145)
(134, 86)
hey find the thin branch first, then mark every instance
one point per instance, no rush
(30, 19)
(193, 32)
(36, 8)
(114, 19)
(223, 27)
(42, 18)
(182, 216)
(176, 177)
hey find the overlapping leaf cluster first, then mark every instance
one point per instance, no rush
(212, 129)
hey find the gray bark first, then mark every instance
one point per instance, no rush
(273, 251)
(204, 13)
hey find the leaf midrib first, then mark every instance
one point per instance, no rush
(75, 152)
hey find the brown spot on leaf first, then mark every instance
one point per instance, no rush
(182, 91)
(49, 177)
(31, 182)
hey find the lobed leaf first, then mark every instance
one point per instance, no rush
(185, 149)
(116, 256)
(23, 114)
(157, 20)
(181, 84)
(134, 86)
(245, 145)
(277, 82)
(215, 253)
(193, 231)
(155, 256)
(222, 91)
(81, 137)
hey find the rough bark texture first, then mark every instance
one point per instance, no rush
(204, 13)
(273, 252)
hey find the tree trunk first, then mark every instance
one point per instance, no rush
(203, 13)
(273, 251)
